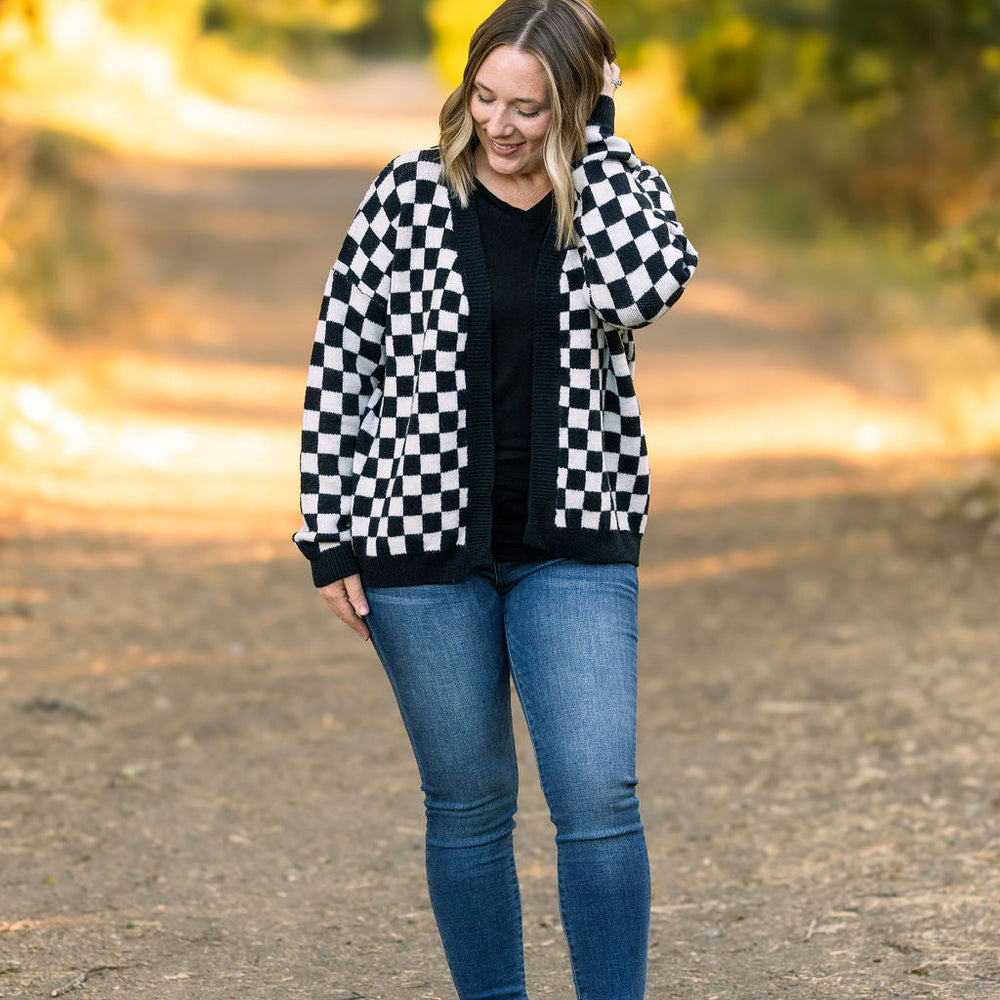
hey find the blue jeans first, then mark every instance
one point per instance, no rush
(566, 632)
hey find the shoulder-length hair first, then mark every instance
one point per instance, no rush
(571, 42)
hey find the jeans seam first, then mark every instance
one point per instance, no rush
(569, 935)
(516, 886)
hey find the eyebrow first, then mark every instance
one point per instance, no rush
(517, 100)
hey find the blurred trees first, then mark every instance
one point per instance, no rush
(397, 28)
(51, 258)
(886, 111)
(288, 26)
(900, 99)
(890, 108)
(880, 113)
(55, 267)
(883, 112)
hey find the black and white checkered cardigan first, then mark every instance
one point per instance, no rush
(397, 438)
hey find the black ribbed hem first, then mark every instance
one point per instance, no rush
(414, 570)
(454, 566)
(590, 546)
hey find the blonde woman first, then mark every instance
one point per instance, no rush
(475, 480)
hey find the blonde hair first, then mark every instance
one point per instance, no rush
(572, 43)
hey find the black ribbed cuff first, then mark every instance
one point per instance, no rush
(603, 114)
(333, 564)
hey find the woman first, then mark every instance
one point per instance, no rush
(475, 479)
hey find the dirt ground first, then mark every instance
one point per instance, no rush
(205, 789)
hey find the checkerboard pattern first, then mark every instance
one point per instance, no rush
(631, 265)
(635, 254)
(385, 463)
(383, 432)
(602, 480)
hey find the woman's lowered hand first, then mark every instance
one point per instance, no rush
(346, 599)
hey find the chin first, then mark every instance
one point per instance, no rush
(504, 166)
(519, 164)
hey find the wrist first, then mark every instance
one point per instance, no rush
(603, 114)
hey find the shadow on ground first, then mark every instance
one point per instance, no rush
(205, 789)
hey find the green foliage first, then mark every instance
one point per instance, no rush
(888, 111)
(365, 27)
(398, 28)
(725, 65)
(53, 258)
(284, 25)
(971, 252)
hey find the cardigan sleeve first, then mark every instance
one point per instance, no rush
(635, 255)
(344, 381)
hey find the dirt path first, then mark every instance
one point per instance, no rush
(205, 790)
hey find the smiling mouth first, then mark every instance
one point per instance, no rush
(505, 147)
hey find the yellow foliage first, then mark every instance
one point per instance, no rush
(736, 33)
(170, 22)
(144, 45)
(331, 15)
(213, 66)
(17, 31)
(653, 112)
(72, 43)
(453, 22)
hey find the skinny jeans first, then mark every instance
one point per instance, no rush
(566, 633)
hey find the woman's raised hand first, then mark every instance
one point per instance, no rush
(346, 599)
(612, 72)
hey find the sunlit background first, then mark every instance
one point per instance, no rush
(205, 787)
(835, 161)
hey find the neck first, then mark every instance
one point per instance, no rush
(523, 190)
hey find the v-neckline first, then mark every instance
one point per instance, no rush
(495, 199)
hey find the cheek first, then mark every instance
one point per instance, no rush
(537, 131)
(481, 113)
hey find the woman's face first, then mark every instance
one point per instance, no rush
(510, 106)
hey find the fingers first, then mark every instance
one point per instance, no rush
(612, 72)
(346, 599)
(356, 594)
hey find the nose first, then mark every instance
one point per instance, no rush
(500, 122)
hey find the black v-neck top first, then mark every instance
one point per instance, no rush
(512, 238)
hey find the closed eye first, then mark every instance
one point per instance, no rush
(490, 100)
